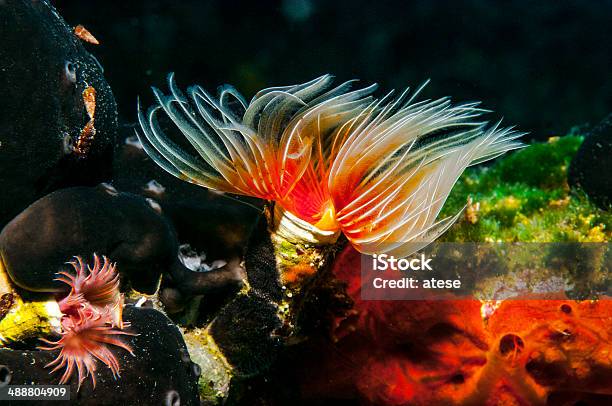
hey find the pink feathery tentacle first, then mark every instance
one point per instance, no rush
(92, 323)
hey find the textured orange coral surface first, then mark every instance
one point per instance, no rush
(526, 352)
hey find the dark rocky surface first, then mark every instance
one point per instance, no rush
(82, 221)
(591, 168)
(244, 331)
(214, 287)
(159, 373)
(260, 263)
(228, 278)
(44, 69)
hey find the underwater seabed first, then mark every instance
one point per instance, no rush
(240, 316)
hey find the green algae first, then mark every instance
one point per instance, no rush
(216, 373)
(525, 197)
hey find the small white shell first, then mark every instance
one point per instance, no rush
(154, 205)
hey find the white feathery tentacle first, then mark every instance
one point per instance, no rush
(388, 208)
(379, 170)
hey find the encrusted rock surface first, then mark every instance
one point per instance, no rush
(159, 373)
(44, 72)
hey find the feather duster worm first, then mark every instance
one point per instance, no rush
(91, 322)
(331, 158)
(94, 287)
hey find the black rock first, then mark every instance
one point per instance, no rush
(44, 70)
(260, 263)
(217, 286)
(81, 221)
(244, 331)
(592, 165)
(159, 373)
(227, 279)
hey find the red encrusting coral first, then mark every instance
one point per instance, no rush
(91, 322)
(526, 352)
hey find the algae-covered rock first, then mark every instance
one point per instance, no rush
(59, 119)
(526, 197)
